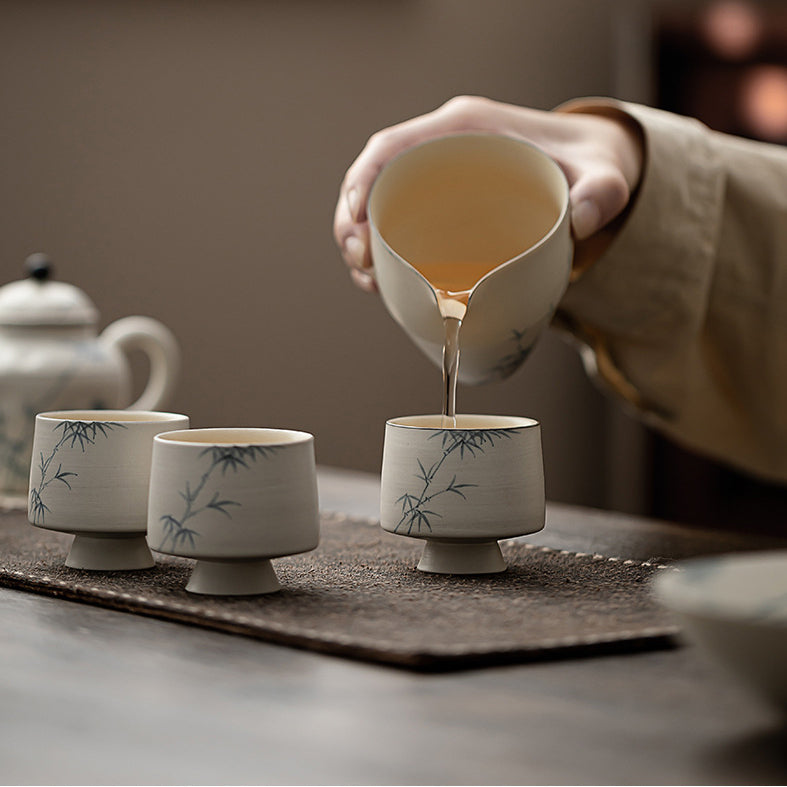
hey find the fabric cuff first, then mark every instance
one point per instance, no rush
(651, 284)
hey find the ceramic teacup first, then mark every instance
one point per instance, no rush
(233, 499)
(462, 488)
(89, 476)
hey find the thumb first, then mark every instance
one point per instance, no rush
(597, 198)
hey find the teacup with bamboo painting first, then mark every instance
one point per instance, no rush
(89, 476)
(462, 488)
(233, 499)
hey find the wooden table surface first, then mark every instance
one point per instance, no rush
(94, 696)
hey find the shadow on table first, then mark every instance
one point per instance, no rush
(758, 758)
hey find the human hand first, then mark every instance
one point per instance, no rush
(601, 157)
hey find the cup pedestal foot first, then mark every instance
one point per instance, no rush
(462, 557)
(233, 578)
(110, 553)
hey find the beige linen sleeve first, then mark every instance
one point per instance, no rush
(683, 315)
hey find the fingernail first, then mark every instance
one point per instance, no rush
(355, 251)
(353, 203)
(585, 218)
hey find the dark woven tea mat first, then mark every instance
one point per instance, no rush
(360, 595)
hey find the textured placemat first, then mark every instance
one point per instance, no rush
(360, 595)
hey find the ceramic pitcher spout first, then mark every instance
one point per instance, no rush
(487, 209)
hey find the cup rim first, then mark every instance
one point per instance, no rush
(202, 437)
(122, 416)
(723, 587)
(432, 422)
(548, 160)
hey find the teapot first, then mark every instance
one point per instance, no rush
(486, 209)
(52, 358)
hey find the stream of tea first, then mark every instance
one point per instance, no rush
(452, 283)
(452, 326)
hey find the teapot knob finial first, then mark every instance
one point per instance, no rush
(39, 266)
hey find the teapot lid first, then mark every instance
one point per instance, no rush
(37, 300)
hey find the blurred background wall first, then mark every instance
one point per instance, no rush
(181, 159)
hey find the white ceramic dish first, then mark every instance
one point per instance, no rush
(735, 607)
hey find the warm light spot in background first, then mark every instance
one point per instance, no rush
(764, 101)
(732, 28)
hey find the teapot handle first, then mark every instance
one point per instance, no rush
(161, 347)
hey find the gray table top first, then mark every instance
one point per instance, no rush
(89, 695)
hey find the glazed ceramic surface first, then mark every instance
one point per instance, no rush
(462, 488)
(233, 499)
(90, 475)
(735, 607)
(508, 308)
(51, 357)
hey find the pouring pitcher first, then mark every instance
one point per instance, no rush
(476, 219)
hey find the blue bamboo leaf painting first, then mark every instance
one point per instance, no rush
(522, 341)
(16, 432)
(467, 443)
(14, 446)
(74, 435)
(512, 360)
(234, 458)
